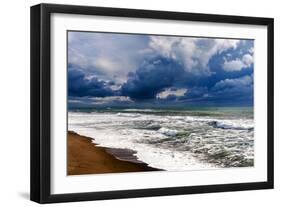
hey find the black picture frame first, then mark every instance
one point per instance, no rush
(41, 95)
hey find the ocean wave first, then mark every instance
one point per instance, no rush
(172, 142)
(226, 124)
(168, 132)
(138, 110)
(155, 126)
(132, 115)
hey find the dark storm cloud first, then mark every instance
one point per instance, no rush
(158, 74)
(154, 69)
(79, 85)
(195, 92)
(227, 91)
(152, 77)
(238, 89)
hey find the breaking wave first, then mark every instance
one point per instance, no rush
(238, 125)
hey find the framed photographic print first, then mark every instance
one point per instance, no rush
(133, 103)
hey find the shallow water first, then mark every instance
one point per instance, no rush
(185, 139)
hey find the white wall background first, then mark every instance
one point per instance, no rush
(14, 103)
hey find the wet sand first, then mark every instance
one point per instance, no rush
(85, 157)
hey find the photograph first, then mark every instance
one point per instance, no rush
(129, 103)
(156, 102)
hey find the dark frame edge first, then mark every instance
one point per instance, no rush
(155, 14)
(270, 102)
(171, 191)
(35, 25)
(39, 102)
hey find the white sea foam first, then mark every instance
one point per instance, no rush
(128, 115)
(237, 124)
(169, 142)
(168, 132)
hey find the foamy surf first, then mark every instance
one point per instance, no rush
(237, 124)
(168, 132)
(171, 142)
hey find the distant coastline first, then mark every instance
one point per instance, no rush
(84, 157)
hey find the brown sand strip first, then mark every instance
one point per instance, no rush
(84, 157)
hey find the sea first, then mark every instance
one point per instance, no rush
(193, 138)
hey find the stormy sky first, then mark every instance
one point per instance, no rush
(128, 70)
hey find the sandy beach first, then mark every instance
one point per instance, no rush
(84, 157)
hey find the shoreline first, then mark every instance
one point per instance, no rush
(85, 157)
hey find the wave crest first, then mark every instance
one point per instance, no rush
(168, 132)
(232, 125)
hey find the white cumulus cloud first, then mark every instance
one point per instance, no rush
(193, 53)
(168, 91)
(236, 82)
(238, 64)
